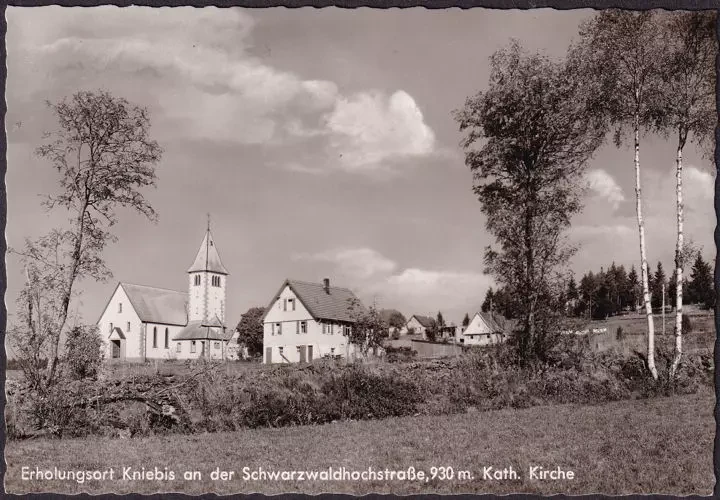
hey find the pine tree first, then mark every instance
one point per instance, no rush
(466, 320)
(633, 287)
(659, 285)
(487, 304)
(701, 287)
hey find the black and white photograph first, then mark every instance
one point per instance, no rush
(359, 251)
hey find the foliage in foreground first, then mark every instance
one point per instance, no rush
(214, 400)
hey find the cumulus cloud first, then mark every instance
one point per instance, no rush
(413, 290)
(604, 185)
(194, 69)
(370, 128)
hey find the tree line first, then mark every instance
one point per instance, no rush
(614, 290)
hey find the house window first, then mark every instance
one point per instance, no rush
(119, 307)
(155, 336)
(280, 350)
(193, 346)
(332, 350)
(167, 339)
(278, 327)
(303, 327)
(179, 348)
(284, 304)
(347, 330)
(217, 345)
(128, 326)
(111, 327)
(292, 304)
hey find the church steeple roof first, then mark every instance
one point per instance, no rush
(207, 258)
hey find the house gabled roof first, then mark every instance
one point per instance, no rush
(157, 305)
(204, 330)
(425, 321)
(491, 321)
(208, 258)
(333, 304)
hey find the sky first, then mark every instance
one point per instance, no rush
(322, 144)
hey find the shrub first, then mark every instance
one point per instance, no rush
(83, 352)
(399, 354)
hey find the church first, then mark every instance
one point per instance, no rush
(143, 322)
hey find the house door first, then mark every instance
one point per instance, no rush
(116, 349)
(268, 355)
(310, 358)
(301, 350)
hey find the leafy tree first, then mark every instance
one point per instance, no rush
(688, 110)
(84, 352)
(621, 50)
(393, 318)
(104, 155)
(250, 330)
(368, 330)
(536, 134)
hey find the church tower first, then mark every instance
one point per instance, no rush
(207, 282)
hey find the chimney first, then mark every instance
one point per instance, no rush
(326, 285)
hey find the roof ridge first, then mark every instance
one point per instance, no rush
(317, 284)
(150, 286)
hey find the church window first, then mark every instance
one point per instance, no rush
(179, 344)
(119, 307)
(111, 327)
(196, 281)
(154, 336)
(193, 346)
(167, 339)
(128, 326)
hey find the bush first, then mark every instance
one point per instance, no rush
(399, 354)
(83, 352)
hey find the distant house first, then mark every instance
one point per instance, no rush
(418, 324)
(484, 329)
(305, 321)
(143, 322)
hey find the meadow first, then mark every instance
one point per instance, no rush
(661, 445)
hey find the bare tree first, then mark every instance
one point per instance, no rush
(104, 156)
(536, 135)
(621, 50)
(687, 107)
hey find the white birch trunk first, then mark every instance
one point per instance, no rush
(678, 265)
(643, 256)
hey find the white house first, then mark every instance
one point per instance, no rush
(306, 321)
(143, 322)
(483, 329)
(418, 324)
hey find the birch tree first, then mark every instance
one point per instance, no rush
(688, 110)
(104, 157)
(535, 134)
(621, 50)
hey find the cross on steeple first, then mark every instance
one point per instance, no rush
(208, 218)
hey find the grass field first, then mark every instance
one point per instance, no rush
(662, 445)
